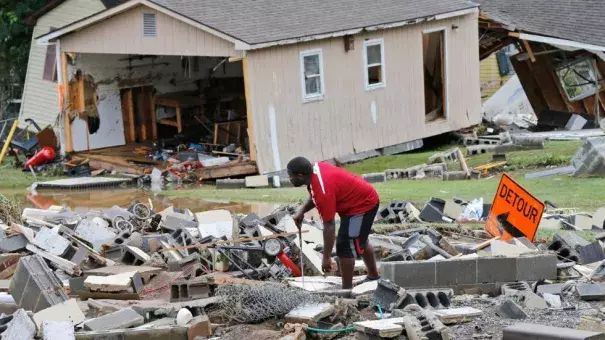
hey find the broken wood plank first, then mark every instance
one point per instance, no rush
(228, 170)
(486, 243)
(64, 86)
(154, 125)
(529, 51)
(179, 121)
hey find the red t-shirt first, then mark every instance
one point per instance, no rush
(335, 190)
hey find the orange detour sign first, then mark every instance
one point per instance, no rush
(515, 212)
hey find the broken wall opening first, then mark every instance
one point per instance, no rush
(434, 75)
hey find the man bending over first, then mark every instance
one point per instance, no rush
(334, 190)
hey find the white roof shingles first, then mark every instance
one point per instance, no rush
(263, 21)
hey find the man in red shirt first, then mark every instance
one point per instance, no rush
(334, 190)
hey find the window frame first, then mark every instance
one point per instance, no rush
(155, 18)
(53, 68)
(366, 66)
(315, 96)
(571, 64)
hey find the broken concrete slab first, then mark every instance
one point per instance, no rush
(167, 333)
(501, 248)
(51, 241)
(67, 311)
(365, 288)
(591, 291)
(554, 288)
(260, 181)
(457, 315)
(310, 314)
(216, 223)
(18, 326)
(553, 301)
(13, 243)
(509, 309)
(113, 283)
(598, 218)
(541, 332)
(530, 300)
(145, 272)
(57, 330)
(591, 323)
(124, 318)
(385, 328)
(199, 326)
(452, 209)
(565, 170)
(58, 262)
(95, 230)
(34, 286)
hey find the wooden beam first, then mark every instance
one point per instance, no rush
(235, 59)
(179, 122)
(130, 103)
(69, 145)
(168, 122)
(154, 124)
(229, 170)
(249, 111)
(514, 34)
(529, 51)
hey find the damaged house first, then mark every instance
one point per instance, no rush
(561, 63)
(324, 79)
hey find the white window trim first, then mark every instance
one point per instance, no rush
(143, 24)
(447, 69)
(312, 97)
(382, 84)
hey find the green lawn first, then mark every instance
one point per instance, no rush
(563, 191)
(13, 179)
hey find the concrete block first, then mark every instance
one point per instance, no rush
(598, 218)
(510, 310)
(67, 311)
(402, 147)
(133, 256)
(384, 328)
(124, 318)
(261, 181)
(452, 209)
(583, 222)
(501, 248)
(387, 294)
(310, 314)
(553, 301)
(377, 177)
(58, 330)
(17, 326)
(454, 176)
(554, 289)
(77, 285)
(51, 241)
(173, 223)
(531, 300)
(13, 243)
(400, 273)
(457, 315)
(34, 286)
(427, 298)
(515, 287)
(112, 283)
(199, 326)
(522, 331)
(551, 223)
(536, 267)
(496, 269)
(180, 238)
(576, 122)
(591, 291)
(216, 223)
(473, 150)
(454, 272)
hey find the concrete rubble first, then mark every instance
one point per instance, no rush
(132, 272)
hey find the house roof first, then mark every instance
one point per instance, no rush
(262, 23)
(32, 18)
(575, 20)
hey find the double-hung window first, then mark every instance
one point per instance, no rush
(312, 77)
(373, 57)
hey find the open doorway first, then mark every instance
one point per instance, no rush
(433, 44)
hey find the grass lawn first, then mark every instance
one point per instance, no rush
(563, 191)
(14, 180)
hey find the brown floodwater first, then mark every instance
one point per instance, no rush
(82, 201)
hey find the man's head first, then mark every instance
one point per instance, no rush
(300, 170)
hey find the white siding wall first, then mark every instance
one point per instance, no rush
(350, 119)
(40, 97)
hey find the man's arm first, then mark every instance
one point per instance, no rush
(298, 217)
(329, 240)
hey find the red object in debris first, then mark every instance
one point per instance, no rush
(290, 264)
(45, 155)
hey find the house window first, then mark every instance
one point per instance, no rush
(311, 67)
(578, 79)
(50, 62)
(373, 57)
(149, 25)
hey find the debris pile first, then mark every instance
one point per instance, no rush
(133, 271)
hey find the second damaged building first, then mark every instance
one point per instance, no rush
(148, 70)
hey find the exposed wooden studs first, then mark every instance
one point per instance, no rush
(249, 111)
(154, 125)
(514, 34)
(179, 123)
(65, 107)
(529, 51)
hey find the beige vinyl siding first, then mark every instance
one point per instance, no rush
(343, 123)
(40, 97)
(123, 34)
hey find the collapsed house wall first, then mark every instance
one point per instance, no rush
(349, 119)
(99, 123)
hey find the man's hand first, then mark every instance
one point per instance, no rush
(326, 265)
(298, 219)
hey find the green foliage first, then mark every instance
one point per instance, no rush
(15, 39)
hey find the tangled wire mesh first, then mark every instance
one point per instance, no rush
(254, 303)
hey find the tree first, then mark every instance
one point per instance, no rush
(15, 40)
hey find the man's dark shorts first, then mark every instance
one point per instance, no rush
(353, 233)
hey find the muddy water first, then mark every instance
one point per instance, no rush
(82, 201)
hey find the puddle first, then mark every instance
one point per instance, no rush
(83, 201)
